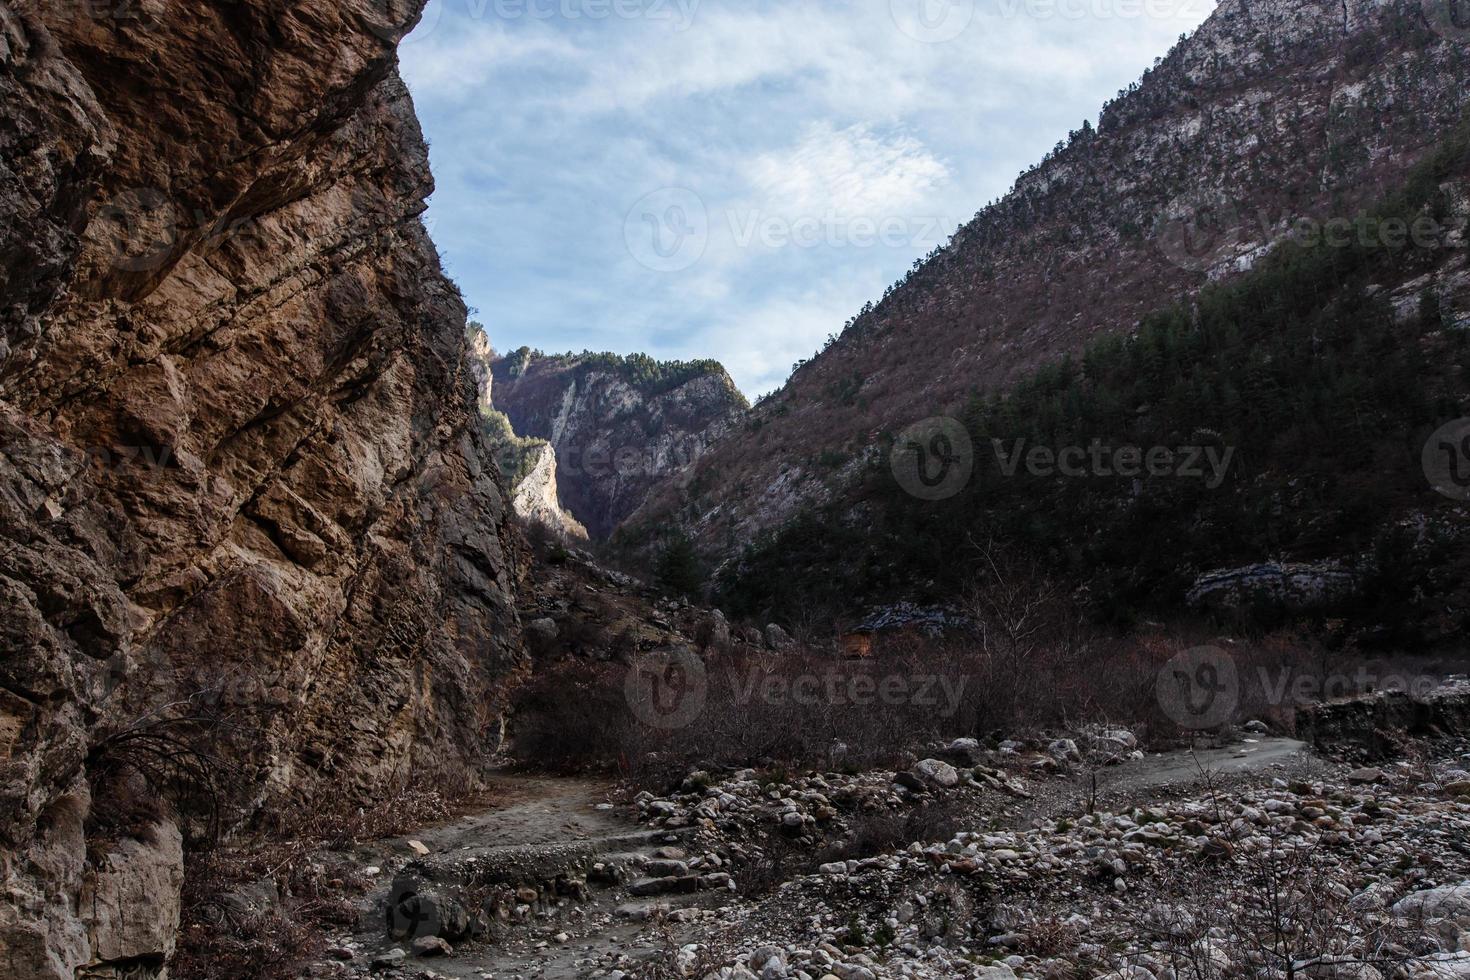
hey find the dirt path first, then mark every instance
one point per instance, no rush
(1176, 773)
(542, 827)
(531, 809)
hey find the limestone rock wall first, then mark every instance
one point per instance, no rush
(536, 497)
(241, 473)
(617, 434)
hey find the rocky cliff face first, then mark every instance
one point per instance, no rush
(1271, 112)
(527, 464)
(241, 472)
(537, 497)
(620, 426)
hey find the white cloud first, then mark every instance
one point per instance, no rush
(545, 131)
(850, 172)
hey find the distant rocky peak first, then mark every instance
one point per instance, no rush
(620, 425)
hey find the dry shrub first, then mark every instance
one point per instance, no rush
(1277, 910)
(883, 831)
(220, 940)
(156, 767)
(778, 861)
(801, 710)
(266, 946)
(572, 717)
(804, 709)
(1050, 936)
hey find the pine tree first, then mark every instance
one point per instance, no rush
(677, 569)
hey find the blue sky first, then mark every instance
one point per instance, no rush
(702, 178)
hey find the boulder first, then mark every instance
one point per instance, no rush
(941, 774)
(647, 887)
(427, 912)
(1113, 742)
(766, 955)
(714, 631)
(778, 639)
(543, 630)
(132, 898)
(910, 782)
(1450, 902)
(390, 960)
(666, 868)
(431, 946)
(1064, 750)
(963, 751)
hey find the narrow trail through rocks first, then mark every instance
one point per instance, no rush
(1174, 773)
(543, 828)
(644, 901)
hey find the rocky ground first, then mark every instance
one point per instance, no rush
(1050, 858)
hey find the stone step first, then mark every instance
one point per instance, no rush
(513, 863)
(645, 887)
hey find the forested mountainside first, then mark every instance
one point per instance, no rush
(1283, 446)
(1269, 113)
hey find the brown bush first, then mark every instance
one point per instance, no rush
(797, 709)
(801, 709)
(572, 717)
(884, 831)
(159, 765)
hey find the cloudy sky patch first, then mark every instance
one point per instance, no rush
(735, 179)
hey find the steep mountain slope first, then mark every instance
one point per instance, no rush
(620, 426)
(1272, 111)
(242, 478)
(1281, 449)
